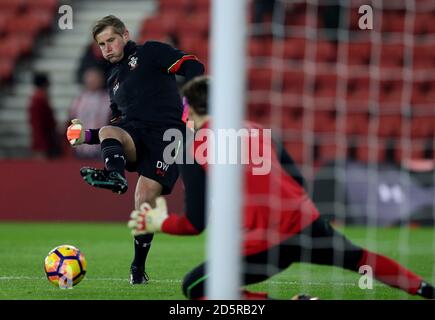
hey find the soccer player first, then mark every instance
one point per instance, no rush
(145, 102)
(299, 233)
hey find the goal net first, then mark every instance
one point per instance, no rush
(348, 86)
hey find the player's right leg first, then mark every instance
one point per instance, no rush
(147, 190)
(117, 147)
(326, 246)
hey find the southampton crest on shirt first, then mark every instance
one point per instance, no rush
(133, 62)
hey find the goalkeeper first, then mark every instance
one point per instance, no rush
(145, 102)
(302, 235)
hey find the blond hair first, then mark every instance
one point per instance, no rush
(108, 21)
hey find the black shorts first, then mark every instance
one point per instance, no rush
(150, 149)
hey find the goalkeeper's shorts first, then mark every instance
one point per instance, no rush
(149, 154)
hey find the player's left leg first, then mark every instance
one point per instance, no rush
(147, 190)
(194, 286)
(117, 148)
(194, 283)
(256, 268)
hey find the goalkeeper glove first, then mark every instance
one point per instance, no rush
(148, 220)
(76, 133)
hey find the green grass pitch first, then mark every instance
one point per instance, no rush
(108, 249)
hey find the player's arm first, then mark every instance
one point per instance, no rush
(77, 134)
(175, 61)
(194, 178)
(151, 220)
(188, 66)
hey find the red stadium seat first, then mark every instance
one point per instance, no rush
(325, 51)
(370, 151)
(325, 122)
(293, 82)
(325, 85)
(29, 24)
(294, 49)
(175, 5)
(165, 23)
(296, 16)
(5, 18)
(195, 45)
(422, 127)
(10, 50)
(389, 126)
(259, 112)
(393, 21)
(259, 47)
(192, 24)
(391, 92)
(293, 119)
(48, 6)
(392, 55)
(6, 68)
(331, 150)
(423, 92)
(21, 42)
(11, 6)
(357, 124)
(358, 53)
(202, 5)
(424, 56)
(358, 93)
(260, 79)
(189, 43)
(296, 150)
(413, 150)
(423, 23)
(255, 48)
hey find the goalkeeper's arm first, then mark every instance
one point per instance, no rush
(193, 221)
(151, 220)
(77, 134)
(92, 136)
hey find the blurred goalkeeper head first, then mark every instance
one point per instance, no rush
(111, 35)
(195, 98)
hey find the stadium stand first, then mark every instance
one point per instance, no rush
(278, 62)
(32, 41)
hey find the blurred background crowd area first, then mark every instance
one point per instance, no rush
(310, 69)
(329, 89)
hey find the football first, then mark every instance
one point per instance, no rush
(65, 266)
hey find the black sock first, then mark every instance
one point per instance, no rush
(142, 246)
(426, 290)
(113, 155)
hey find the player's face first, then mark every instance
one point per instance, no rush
(112, 44)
